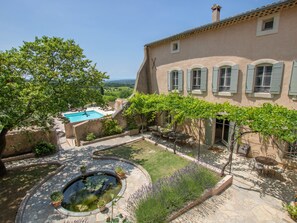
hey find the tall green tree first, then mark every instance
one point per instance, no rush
(42, 78)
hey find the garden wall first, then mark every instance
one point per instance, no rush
(264, 146)
(20, 142)
(95, 126)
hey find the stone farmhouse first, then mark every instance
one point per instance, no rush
(247, 60)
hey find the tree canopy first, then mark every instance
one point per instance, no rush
(42, 78)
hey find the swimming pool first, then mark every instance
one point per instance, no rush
(83, 116)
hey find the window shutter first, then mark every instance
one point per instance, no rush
(180, 80)
(189, 80)
(250, 78)
(169, 81)
(293, 82)
(215, 76)
(203, 79)
(234, 79)
(276, 78)
(208, 131)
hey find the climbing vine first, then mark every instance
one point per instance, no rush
(269, 120)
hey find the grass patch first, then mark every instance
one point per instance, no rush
(158, 162)
(14, 186)
(153, 204)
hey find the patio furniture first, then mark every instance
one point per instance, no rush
(256, 165)
(266, 162)
(244, 149)
(182, 138)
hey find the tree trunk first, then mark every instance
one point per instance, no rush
(2, 147)
(232, 142)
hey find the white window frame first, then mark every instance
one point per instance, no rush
(172, 46)
(264, 73)
(261, 23)
(225, 86)
(196, 79)
(174, 79)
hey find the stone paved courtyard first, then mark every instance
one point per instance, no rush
(251, 198)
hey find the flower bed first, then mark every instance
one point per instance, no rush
(156, 202)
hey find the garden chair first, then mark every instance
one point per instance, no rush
(257, 166)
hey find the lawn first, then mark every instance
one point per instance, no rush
(158, 162)
(14, 186)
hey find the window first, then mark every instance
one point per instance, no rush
(196, 79)
(174, 47)
(267, 24)
(292, 151)
(225, 78)
(174, 80)
(263, 78)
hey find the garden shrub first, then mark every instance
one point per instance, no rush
(111, 127)
(292, 210)
(44, 148)
(90, 136)
(154, 203)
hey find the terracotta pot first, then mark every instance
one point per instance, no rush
(121, 175)
(102, 209)
(56, 204)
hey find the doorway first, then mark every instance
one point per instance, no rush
(222, 131)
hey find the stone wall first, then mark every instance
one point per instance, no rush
(20, 142)
(81, 130)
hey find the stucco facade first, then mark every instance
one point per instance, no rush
(241, 42)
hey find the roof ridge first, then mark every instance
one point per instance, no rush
(219, 24)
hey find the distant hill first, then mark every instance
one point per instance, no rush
(119, 83)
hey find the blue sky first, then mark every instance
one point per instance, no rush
(111, 32)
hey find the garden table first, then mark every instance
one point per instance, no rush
(266, 161)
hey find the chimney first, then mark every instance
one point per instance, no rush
(216, 13)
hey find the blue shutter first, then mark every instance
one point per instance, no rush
(276, 78)
(189, 80)
(293, 82)
(169, 81)
(203, 79)
(180, 80)
(234, 79)
(250, 78)
(215, 76)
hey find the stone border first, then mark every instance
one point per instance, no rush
(123, 160)
(217, 170)
(83, 143)
(19, 157)
(21, 209)
(96, 211)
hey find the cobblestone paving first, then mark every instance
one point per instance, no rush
(39, 209)
(252, 198)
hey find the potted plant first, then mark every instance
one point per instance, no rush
(83, 170)
(120, 172)
(56, 198)
(101, 204)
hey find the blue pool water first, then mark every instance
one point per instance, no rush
(83, 116)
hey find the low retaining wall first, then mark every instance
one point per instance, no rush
(220, 187)
(21, 142)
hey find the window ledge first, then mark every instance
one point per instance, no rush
(225, 93)
(294, 98)
(261, 95)
(197, 92)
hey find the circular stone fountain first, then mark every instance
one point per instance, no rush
(83, 193)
